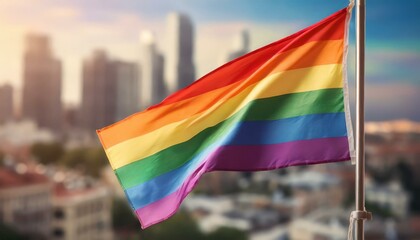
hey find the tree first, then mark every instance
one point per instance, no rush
(47, 153)
(91, 160)
(123, 218)
(1, 158)
(405, 174)
(381, 176)
(226, 233)
(9, 233)
(379, 210)
(74, 158)
(179, 227)
(96, 160)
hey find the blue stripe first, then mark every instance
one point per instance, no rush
(244, 133)
(290, 129)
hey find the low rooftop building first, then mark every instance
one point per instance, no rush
(25, 201)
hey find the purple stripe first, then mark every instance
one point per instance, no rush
(266, 157)
(249, 158)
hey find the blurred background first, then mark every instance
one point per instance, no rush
(70, 67)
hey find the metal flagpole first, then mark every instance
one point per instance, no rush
(360, 214)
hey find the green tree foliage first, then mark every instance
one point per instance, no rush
(1, 158)
(378, 210)
(90, 160)
(96, 161)
(74, 158)
(415, 199)
(123, 219)
(179, 227)
(9, 233)
(226, 233)
(406, 175)
(381, 176)
(47, 153)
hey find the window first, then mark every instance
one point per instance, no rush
(58, 232)
(59, 213)
(100, 225)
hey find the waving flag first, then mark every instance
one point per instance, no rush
(281, 105)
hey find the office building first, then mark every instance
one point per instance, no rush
(152, 90)
(25, 201)
(179, 65)
(41, 83)
(127, 89)
(99, 91)
(6, 103)
(82, 213)
(240, 46)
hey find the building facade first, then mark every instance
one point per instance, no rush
(325, 223)
(240, 46)
(41, 83)
(127, 89)
(6, 103)
(98, 94)
(179, 64)
(391, 197)
(25, 202)
(82, 214)
(152, 89)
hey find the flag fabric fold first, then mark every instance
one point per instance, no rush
(282, 105)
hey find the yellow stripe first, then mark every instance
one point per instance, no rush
(292, 81)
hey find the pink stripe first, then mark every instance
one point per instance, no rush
(166, 207)
(248, 158)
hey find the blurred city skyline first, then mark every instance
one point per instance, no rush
(77, 28)
(72, 66)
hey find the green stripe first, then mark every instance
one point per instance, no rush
(284, 106)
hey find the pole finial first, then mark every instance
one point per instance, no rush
(351, 5)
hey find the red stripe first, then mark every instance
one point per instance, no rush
(331, 28)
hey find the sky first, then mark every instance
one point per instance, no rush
(78, 27)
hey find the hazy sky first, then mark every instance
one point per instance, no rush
(77, 27)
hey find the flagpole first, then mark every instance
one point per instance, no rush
(360, 214)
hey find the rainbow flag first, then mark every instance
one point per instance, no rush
(282, 105)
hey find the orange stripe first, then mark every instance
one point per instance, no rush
(310, 54)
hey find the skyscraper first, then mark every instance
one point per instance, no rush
(127, 89)
(151, 81)
(41, 83)
(240, 45)
(99, 92)
(179, 66)
(6, 103)
(160, 77)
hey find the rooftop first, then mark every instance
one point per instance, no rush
(18, 177)
(310, 180)
(397, 126)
